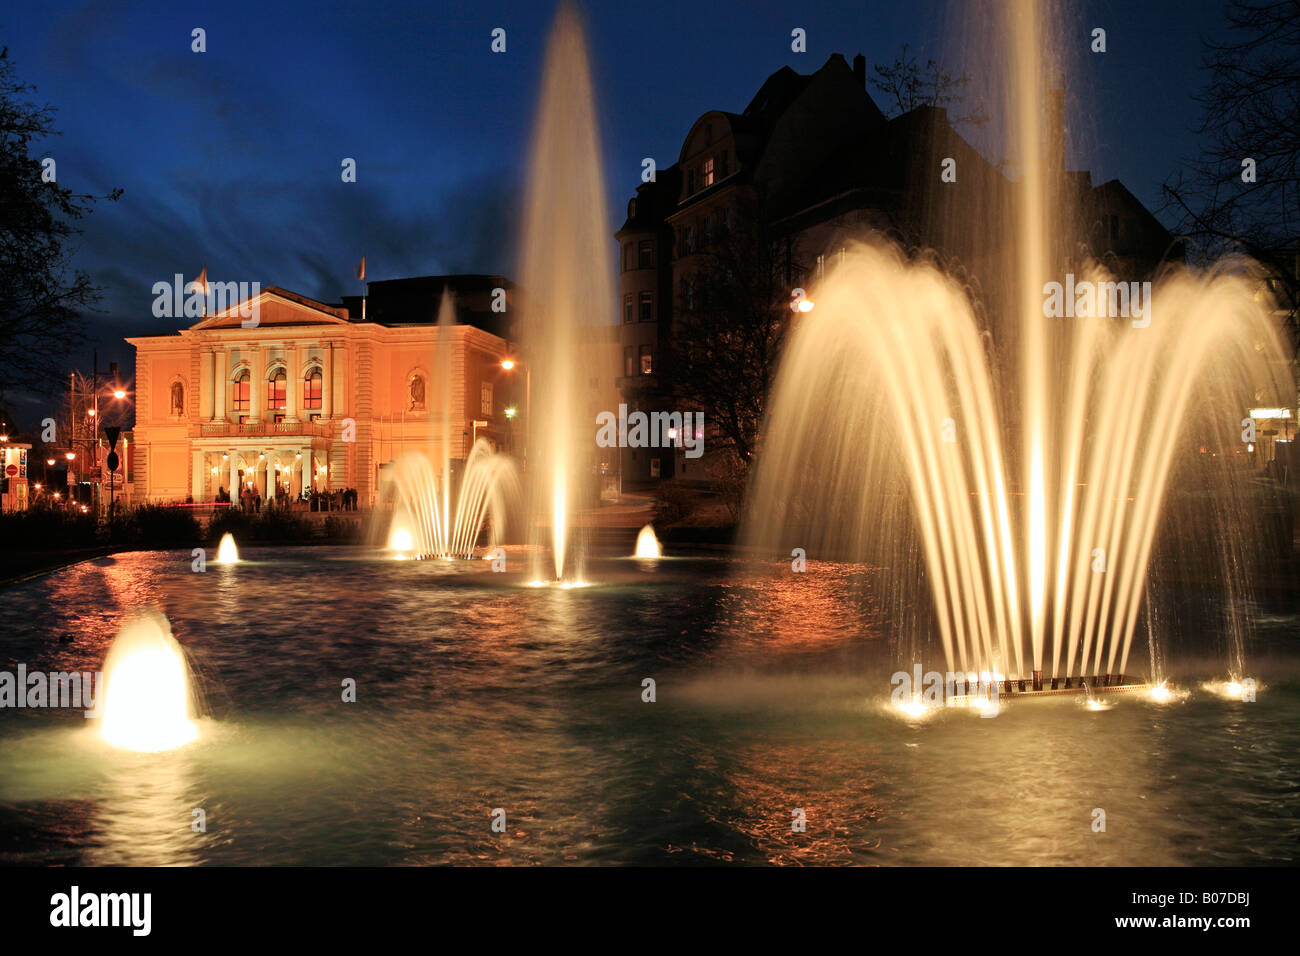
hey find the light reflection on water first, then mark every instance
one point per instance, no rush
(475, 692)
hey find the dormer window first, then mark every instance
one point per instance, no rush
(708, 172)
(631, 209)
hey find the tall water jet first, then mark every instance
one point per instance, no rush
(566, 278)
(148, 700)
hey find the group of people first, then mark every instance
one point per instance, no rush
(344, 499)
(250, 499)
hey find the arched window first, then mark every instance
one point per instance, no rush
(242, 388)
(312, 389)
(275, 390)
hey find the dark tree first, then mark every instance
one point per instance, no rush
(1251, 112)
(41, 295)
(907, 85)
(732, 314)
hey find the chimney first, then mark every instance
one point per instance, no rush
(860, 69)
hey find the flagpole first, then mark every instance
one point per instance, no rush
(361, 276)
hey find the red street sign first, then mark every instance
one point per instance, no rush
(11, 470)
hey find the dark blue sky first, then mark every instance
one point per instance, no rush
(232, 157)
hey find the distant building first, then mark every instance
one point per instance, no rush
(15, 483)
(315, 399)
(810, 163)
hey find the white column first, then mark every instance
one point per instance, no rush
(233, 487)
(327, 386)
(205, 384)
(291, 373)
(221, 383)
(197, 477)
(256, 387)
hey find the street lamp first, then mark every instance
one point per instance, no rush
(508, 364)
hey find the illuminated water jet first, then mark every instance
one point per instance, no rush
(647, 545)
(227, 553)
(148, 704)
(1019, 531)
(564, 254)
(915, 709)
(400, 540)
(429, 521)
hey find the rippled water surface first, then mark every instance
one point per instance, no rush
(477, 692)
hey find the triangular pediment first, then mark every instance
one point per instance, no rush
(273, 307)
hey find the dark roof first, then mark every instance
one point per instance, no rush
(416, 301)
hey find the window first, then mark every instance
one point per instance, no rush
(312, 390)
(485, 398)
(708, 172)
(275, 392)
(629, 313)
(690, 182)
(722, 165)
(647, 307)
(631, 209)
(645, 254)
(690, 239)
(627, 256)
(629, 361)
(240, 398)
(706, 232)
(688, 295)
(647, 360)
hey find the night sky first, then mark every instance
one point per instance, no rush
(232, 157)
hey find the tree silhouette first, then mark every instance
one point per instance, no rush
(41, 295)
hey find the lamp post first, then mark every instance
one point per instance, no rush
(70, 456)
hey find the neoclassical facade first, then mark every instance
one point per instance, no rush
(312, 398)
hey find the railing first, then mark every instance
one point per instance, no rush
(259, 429)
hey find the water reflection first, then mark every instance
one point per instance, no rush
(475, 692)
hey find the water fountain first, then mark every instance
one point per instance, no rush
(434, 515)
(148, 699)
(428, 523)
(564, 256)
(887, 434)
(227, 552)
(647, 545)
